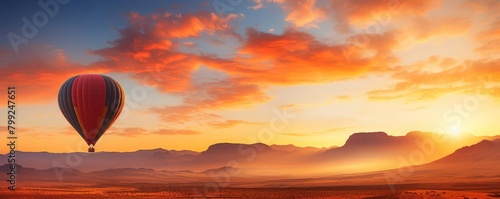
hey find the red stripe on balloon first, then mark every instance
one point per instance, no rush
(88, 97)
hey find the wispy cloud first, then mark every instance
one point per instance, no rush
(232, 123)
(137, 131)
(316, 133)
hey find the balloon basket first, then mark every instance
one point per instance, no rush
(91, 149)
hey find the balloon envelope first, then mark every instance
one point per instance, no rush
(91, 103)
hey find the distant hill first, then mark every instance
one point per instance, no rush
(484, 155)
(155, 158)
(122, 175)
(293, 148)
(471, 164)
(362, 152)
(373, 151)
(48, 175)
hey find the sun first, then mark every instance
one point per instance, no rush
(455, 131)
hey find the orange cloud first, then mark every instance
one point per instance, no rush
(149, 46)
(302, 13)
(425, 28)
(348, 13)
(229, 93)
(296, 57)
(137, 131)
(39, 133)
(128, 132)
(415, 84)
(209, 96)
(142, 49)
(489, 39)
(343, 97)
(231, 123)
(286, 106)
(258, 5)
(68, 131)
(175, 132)
(489, 7)
(37, 72)
(327, 131)
(171, 25)
(146, 48)
(183, 113)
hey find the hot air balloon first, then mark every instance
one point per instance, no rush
(91, 103)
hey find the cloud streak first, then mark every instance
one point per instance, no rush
(138, 131)
(152, 44)
(232, 123)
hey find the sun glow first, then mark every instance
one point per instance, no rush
(455, 131)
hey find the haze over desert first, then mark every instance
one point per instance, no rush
(225, 171)
(259, 99)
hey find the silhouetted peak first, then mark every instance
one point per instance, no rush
(484, 151)
(366, 138)
(233, 147)
(482, 148)
(153, 150)
(223, 169)
(6, 167)
(485, 143)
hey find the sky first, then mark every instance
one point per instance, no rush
(308, 73)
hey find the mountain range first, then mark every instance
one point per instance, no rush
(361, 153)
(477, 161)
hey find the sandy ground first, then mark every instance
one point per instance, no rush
(76, 190)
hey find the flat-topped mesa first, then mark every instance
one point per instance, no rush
(224, 148)
(366, 138)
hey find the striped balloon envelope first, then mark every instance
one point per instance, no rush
(91, 103)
